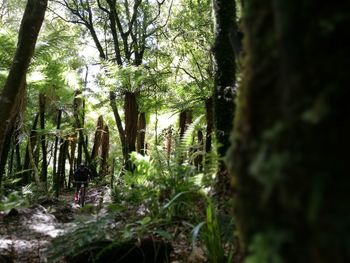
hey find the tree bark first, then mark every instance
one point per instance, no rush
(32, 141)
(131, 114)
(104, 151)
(185, 119)
(98, 138)
(42, 102)
(5, 149)
(58, 126)
(225, 81)
(118, 121)
(141, 133)
(210, 124)
(78, 102)
(289, 158)
(15, 83)
(200, 150)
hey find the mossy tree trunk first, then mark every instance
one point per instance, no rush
(225, 81)
(289, 159)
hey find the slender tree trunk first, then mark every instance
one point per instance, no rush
(42, 102)
(225, 80)
(58, 126)
(200, 151)
(15, 83)
(119, 125)
(61, 169)
(185, 119)
(78, 101)
(289, 159)
(98, 139)
(104, 151)
(12, 157)
(6, 150)
(210, 124)
(141, 133)
(72, 161)
(168, 142)
(182, 123)
(32, 141)
(18, 155)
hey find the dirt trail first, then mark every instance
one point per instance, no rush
(25, 233)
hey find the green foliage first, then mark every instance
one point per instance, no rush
(84, 235)
(216, 235)
(266, 247)
(22, 197)
(188, 137)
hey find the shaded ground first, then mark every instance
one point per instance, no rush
(26, 233)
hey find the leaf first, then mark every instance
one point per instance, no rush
(195, 232)
(164, 234)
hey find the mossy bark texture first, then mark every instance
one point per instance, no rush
(289, 159)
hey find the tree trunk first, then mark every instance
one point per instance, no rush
(104, 151)
(61, 169)
(98, 139)
(72, 163)
(32, 141)
(210, 123)
(141, 133)
(18, 154)
(289, 159)
(182, 123)
(15, 83)
(225, 80)
(42, 102)
(185, 119)
(118, 121)
(131, 113)
(6, 150)
(78, 102)
(58, 126)
(199, 151)
(12, 157)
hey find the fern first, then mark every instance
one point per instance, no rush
(187, 139)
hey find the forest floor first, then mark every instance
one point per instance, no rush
(27, 234)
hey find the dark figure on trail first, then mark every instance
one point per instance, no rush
(81, 177)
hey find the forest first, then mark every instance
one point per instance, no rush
(174, 131)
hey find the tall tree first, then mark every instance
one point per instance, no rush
(225, 81)
(289, 157)
(15, 84)
(128, 28)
